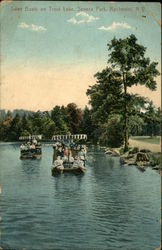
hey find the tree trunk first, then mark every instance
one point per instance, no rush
(126, 116)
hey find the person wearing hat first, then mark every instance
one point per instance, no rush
(60, 151)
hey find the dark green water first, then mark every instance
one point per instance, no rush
(110, 207)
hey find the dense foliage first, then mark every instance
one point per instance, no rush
(144, 121)
(58, 121)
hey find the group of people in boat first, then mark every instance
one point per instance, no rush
(69, 153)
(29, 145)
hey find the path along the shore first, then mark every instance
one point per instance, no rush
(156, 148)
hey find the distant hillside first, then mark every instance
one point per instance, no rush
(2, 114)
(13, 113)
(21, 112)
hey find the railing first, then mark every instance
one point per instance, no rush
(29, 137)
(69, 137)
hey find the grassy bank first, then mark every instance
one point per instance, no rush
(152, 140)
(156, 148)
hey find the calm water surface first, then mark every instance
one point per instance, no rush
(110, 207)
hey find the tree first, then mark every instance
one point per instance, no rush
(48, 126)
(26, 128)
(5, 128)
(105, 95)
(15, 128)
(58, 116)
(152, 119)
(74, 117)
(35, 123)
(87, 126)
(112, 131)
(136, 124)
(106, 99)
(128, 57)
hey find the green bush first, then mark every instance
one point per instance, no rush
(113, 133)
(154, 159)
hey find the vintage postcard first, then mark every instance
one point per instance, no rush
(80, 131)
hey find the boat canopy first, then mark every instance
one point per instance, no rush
(69, 137)
(29, 137)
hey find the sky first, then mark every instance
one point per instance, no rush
(50, 51)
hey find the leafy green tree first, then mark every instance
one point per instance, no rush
(5, 128)
(105, 99)
(105, 95)
(57, 116)
(48, 126)
(15, 128)
(112, 132)
(152, 119)
(30, 126)
(136, 124)
(87, 126)
(26, 128)
(74, 117)
(37, 122)
(50, 130)
(128, 57)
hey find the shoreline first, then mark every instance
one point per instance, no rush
(140, 155)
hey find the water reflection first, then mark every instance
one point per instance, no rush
(67, 181)
(31, 166)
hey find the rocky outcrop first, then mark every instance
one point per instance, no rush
(133, 150)
(115, 152)
(154, 159)
(108, 152)
(145, 151)
(156, 168)
(112, 151)
(140, 158)
(129, 159)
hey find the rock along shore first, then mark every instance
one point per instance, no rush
(142, 158)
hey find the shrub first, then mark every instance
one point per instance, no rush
(113, 133)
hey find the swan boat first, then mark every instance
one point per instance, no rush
(69, 154)
(31, 147)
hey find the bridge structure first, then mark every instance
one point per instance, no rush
(69, 137)
(30, 137)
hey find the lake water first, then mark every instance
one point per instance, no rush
(109, 207)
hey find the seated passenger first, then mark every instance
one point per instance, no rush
(58, 162)
(34, 141)
(22, 147)
(66, 152)
(81, 154)
(28, 145)
(59, 151)
(32, 146)
(71, 159)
